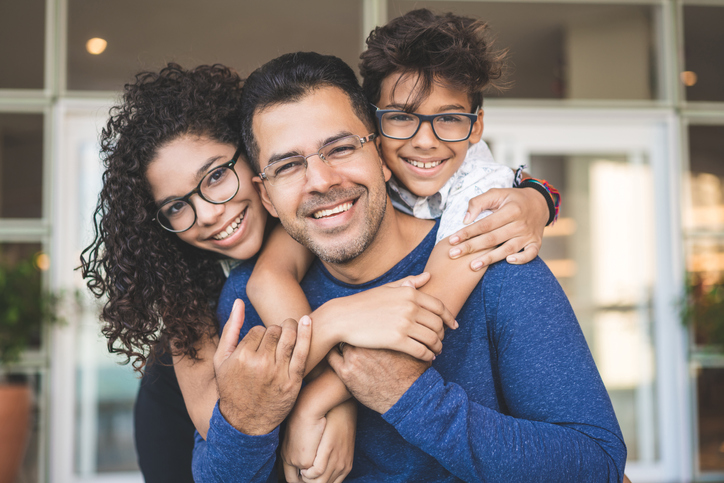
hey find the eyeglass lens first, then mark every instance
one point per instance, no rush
(403, 125)
(218, 186)
(294, 168)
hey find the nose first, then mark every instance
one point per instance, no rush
(321, 176)
(425, 137)
(207, 213)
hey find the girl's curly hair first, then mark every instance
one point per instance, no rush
(160, 290)
(448, 48)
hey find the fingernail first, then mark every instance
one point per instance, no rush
(454, 239)
(512, 259)
(466, 220)
(476, 265)
(433, 357)
(455, 324)
(455, 252)
(305, 320)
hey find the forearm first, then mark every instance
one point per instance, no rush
(451, 281)
(198, 384)
(484, 445)
(228, 455)
(318, 397)
(273, 287)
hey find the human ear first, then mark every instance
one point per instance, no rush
(477, 133)
(264, 195)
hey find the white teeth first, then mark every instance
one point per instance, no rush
(337, 209)
(229, 229)
(418, 164)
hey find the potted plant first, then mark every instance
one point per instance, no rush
(24, 308)
(703, 311)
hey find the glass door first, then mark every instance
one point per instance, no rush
(613, 252)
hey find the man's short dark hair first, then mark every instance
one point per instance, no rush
(289, 78)
(449, 49)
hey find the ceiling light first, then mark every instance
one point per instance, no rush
(96, 46)
(689, 78)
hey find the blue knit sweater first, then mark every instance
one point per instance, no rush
(514, 396)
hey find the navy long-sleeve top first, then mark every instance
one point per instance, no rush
(514, 396)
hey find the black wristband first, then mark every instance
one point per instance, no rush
(526, 183)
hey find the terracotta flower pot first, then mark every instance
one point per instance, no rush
(15, 402)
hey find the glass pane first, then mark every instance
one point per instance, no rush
(21, 165)
(565, 50)
(704, 229)
(710, 401)
(594, 251)
(242, 35)
(20, 279)
(105, 394)
(703, 51)
(22, 41)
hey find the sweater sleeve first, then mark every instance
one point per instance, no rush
(558, 425)
(229, 455)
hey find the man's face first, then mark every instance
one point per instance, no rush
(334, 211)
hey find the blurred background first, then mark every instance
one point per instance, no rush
(618, 103)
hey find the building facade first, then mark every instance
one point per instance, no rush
(618, 103)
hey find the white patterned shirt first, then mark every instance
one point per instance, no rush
(478, 173)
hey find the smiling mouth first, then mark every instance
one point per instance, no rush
(231, 229)
(333, 211)
(419, 164)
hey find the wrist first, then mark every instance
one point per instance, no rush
(328, 321)
(244, 423)
(546, 191)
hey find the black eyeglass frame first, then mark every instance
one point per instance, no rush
(186, 198)
(425, 118)
(363, 140)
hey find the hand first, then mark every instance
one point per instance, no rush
(517, 223)
(395, 316)
(376, 378)
(259, 379)
(335, 452)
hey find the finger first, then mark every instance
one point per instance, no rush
(415, 281)
(336, 361)
(511, 247)
(298, 360)
(271, 339)
(487, 233)
(492, 200)
(230, 336)
(291, 473)
(430, 341)
(528, 254)
(286, 341)
(434, 305)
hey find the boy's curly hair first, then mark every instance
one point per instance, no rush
(160, 291)
(449, 49)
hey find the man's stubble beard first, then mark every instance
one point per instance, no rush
(339, 254)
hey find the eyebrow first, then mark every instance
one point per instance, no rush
(200, 173)
(278, 157)
(450, 107)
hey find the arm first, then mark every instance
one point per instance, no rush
(559, 423)
(280, 268)
(517, 222)
(198, 383)
(259, 380)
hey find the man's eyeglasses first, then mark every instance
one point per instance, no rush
(449, 126)
(294, 168)
(217, 187)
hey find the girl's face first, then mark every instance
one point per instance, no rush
(177, 169)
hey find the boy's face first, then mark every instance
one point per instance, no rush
(423, 164)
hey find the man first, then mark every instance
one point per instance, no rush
(514, 396)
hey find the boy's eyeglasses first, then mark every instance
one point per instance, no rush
(218, 186)
(294, 168)
(448, 127)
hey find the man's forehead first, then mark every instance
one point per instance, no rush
(304, 125)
